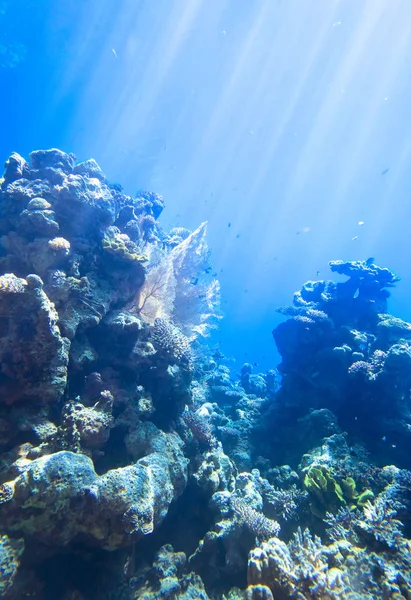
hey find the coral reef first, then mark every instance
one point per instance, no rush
(74, 253)
(134, 463)
(343, 353)
(307, 568)
(167, 578)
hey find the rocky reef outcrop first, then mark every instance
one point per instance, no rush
(95, 358)
(59, 497)
(345, 365)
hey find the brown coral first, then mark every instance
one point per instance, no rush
(92, 423)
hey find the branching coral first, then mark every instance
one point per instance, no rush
(200, 428)
(380, 523)
(285, 503)
(376, 524)
(256, 522)
(305, 569)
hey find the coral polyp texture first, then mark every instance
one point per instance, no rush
(135, 464)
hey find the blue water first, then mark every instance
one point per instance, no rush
(287, 119)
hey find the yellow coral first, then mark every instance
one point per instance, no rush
(11, 284)
(121, 247)
(59, 244)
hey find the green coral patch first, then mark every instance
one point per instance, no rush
(327, 495)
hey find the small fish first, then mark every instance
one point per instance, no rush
(385, 171)
(114, 52)
(229, 224)
(214, 274)
(370, 261)
(384, 438)
(129, 564)
(318, 273)
(355, 238)
(127, 567)
(237, 236)
(194, 280)
(255, 364)
(208, 270)
(361, 223)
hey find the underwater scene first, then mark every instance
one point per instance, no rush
(205, 300)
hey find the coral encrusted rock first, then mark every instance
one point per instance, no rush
(33, 354)
(59, 496)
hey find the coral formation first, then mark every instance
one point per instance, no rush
(33, 353)
(328, 495)
(134, 463)
(168, 578)
(10, 552)
(121, 504)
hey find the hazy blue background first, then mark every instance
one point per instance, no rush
(277, 116)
